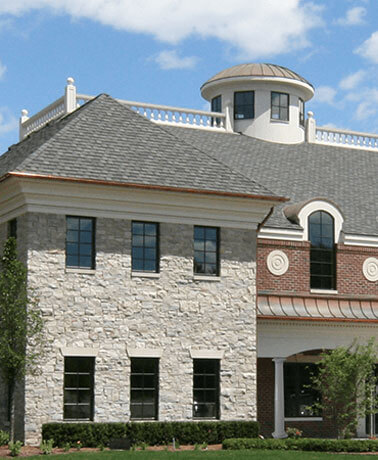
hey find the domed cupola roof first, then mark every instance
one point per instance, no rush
(258, 71)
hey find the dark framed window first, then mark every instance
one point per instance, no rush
(206, 250)
(80, 242)
(12, 228)
(145, 246)
(244, 105)
(216, 106)
(144, 388)
(299, 396)
(279, 106)
(78, 388)
(322, 251)
(301, 111)
(206, 388)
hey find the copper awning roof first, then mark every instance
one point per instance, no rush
(317, 308)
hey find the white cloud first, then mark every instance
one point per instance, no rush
(354, 17)
(325, 94)
(3, 69)
(257, 28)
(352, 80)
(8, 122)
(369, 48)
(171, 60)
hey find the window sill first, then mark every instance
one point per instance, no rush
(145, 275)
(323, 291)
(303, 419)
(83, 271)
(206, 278)
(275, 120)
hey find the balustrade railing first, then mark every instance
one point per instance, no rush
(179, 116)
(52, 111)
(343, 138)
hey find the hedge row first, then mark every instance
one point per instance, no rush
(308, 444)
(152, 433)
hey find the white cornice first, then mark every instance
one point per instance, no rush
(280, 234)
(361, 240)
(20, 195)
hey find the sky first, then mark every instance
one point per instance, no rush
(162, 51)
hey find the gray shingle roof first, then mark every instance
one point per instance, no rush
(348, 177)
(104, 140)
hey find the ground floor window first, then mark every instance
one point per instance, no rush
(299, 396)
(144, 388)
(78, 388)
(206, 388)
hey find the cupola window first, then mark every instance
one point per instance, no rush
(322, 252)
(301, 111)
(216, 106)
(279, 106)
(244, 105)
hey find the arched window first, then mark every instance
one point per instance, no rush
(322, 252)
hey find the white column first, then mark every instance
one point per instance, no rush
(70, 96)
(24, 117)
(279, 403)
(310, 128)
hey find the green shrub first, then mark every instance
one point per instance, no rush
(47, 446)
(306, 444)
(15, 448)
(4, 438)
(152, 433)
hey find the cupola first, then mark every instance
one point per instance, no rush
(265, 101)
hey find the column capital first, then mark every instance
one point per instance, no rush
(279, 360)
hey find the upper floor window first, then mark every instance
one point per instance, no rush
(80, 242)
(144, 388)
(279, 106)
(216, 106)
(145, 246)
(301, 112)
(206, 388)
(78, 388)
(12, 228)
(206, 250)
(244, 105)
(322, 251)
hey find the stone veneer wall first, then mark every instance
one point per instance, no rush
(112, 310)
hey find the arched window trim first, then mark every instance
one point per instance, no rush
(321, 205)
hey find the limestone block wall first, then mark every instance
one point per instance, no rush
(112, 310)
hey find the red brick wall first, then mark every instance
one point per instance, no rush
(296, 279)
(350, 278)
(265, 406)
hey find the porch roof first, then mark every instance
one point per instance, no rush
(319, 308)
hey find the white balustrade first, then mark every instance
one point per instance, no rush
(344, 138)
(52, 111)
(178, 116)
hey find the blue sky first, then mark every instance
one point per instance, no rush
(161, 51)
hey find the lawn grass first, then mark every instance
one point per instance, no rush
(204, 455)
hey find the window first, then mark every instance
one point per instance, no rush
(301, 112)
(12, 228)
(322, 251)
(144, 388)
(216, 106)
(298, 396)
(206, 388)
(279, 106)
(78, 388)
(145, 246)
(244, 105)
(80, 242)
(206, 250)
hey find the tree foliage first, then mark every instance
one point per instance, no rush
(21, 323)
(346, 380)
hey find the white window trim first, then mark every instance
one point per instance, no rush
(321, 205)
(206, 354)
(78, 351)
(145, 352)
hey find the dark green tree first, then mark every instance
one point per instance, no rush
(21, 325)
(346, 381)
